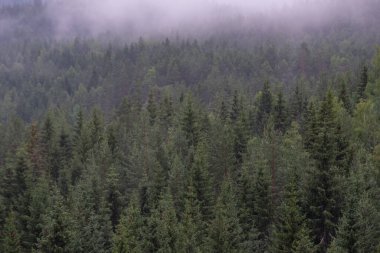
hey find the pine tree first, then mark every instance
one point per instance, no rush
(11, 239)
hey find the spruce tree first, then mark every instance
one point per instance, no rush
(128, 236)
(56, 224)
(264, 108)
(303, 243)
(223, 112)
(225, 231)
(192, 228)
(363, 83)
(11, 239)
(280, 114)
(151, 107)
(262, 206)
(164, 226)
(344, 98)
(288, 220)
(245, 201)
(190, 125)
(202, 180)
(323, 198)
(311, 128)
(113, 195)
(235, 110)
(298, 105)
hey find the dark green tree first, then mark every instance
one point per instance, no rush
(323, 196)
(164, 224)
(280, 114)
(128, 236)
(363, 83)
(236, 109)
(225, 231)
(288, 220)
(344, 98)
(56, 224)
(202, 180)
(264, 108)
(189, 124)
(152, 110)
(11, 239)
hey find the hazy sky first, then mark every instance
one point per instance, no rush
(164, 16)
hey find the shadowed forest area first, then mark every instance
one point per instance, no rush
(253, 135)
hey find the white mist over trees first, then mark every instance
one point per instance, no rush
(169, 17)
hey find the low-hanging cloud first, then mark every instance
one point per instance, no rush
(135, 18)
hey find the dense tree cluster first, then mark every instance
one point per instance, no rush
(168, 175)
(187, 146)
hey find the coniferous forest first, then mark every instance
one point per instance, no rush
(251, 140)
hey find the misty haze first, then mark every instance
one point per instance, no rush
(190, 126)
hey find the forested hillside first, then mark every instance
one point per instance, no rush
(250, 140)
